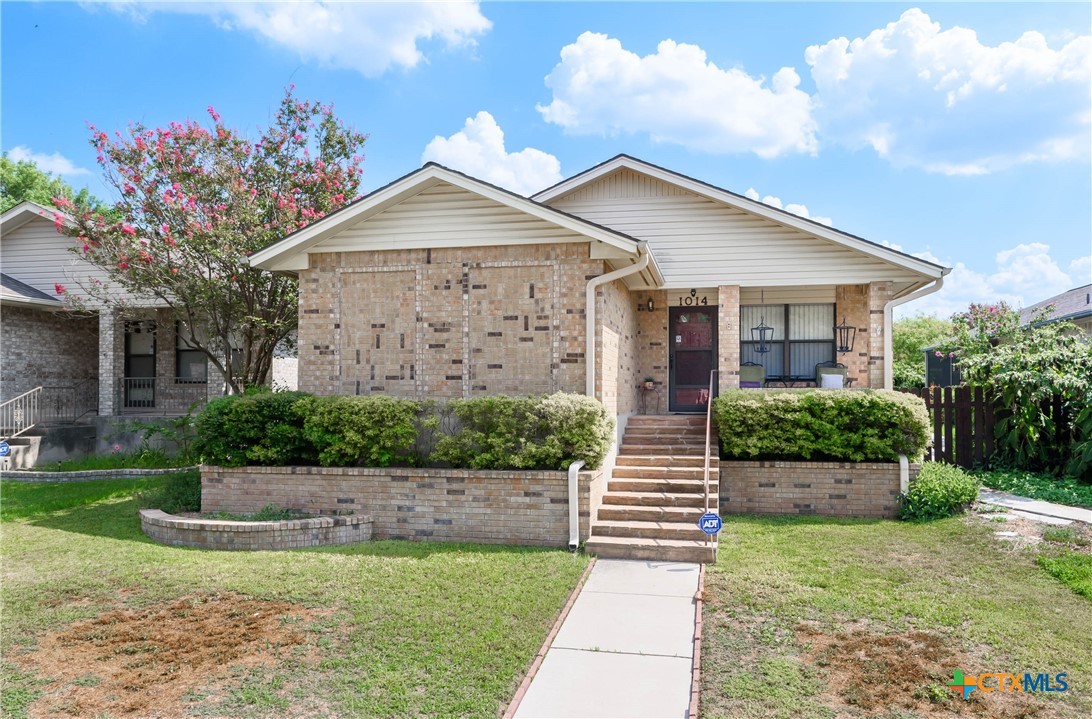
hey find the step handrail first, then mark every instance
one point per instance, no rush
(19, 414)
(710, 538)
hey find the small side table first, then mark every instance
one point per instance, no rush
(648, 395)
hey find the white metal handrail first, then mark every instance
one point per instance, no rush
(709, 538)
(19, 414)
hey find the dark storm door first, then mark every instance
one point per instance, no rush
(692, 356)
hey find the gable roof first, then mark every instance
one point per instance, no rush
(744, 204)
(1070, 305)
(289, 253)
(26, 211)
(14, 292)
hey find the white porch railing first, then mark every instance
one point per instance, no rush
(19, 414)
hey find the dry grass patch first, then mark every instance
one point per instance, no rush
(147, 662)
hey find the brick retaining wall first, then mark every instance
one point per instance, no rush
(253, 536)
(833, 489)
(454, 505)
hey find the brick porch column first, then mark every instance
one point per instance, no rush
(728, 337)
(852, 303)
(879, 294)
(108, 379)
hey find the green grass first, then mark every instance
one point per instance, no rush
(147, 459)
(268, 513)
(1072, 569)
(1045, 487)
(415, 629)
(949, 577)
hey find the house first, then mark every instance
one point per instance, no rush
(441, 285)
(94, 367)
(1073, 306)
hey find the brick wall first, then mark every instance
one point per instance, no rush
(833, 489)
(445, 323)
(728, 337)
(879, 294)
(45, 348)
(652, 350)
(454, 505)
(616, 349)
(254, 536)
(851, 303)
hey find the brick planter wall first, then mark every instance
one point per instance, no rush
(454, 505)
(833, 489)
(252, 536)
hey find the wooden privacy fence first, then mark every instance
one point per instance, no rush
(963, 423)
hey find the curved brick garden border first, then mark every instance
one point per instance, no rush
(254, 536)
(23, 475)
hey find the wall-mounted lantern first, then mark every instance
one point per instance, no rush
(844, 336)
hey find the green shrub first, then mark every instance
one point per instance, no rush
(536, 432)
(857, 425)
(367, 431)
(940, 490)
(908, 374)
(177, 493)
(255, 429)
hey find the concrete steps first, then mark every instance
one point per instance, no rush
(656, 493)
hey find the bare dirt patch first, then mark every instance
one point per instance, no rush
(142, 662)
(869, 672)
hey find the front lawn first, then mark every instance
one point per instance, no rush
(95, 616)
(812, 617)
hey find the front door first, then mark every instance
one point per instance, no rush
(693, 355)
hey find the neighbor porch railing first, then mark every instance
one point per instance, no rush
(710, 538)
(160, 395)
(19, 414)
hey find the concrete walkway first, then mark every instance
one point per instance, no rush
(625, 650)
(1034, 508)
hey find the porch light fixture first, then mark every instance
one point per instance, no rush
(845, 335)
(650, 305)
(763, 334)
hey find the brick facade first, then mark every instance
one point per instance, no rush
(453, 505)
(728, 337)
(617, 349)
(879, 294)
(445, 323)
(851, 303)
(832, 489)
(46, 348)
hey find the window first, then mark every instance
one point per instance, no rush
(191, 364)
(809, 329)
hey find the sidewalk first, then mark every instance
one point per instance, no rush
(1042, 511)
(626, 648)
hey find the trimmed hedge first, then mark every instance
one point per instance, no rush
(856, 426)
(537, 432)
(940, 490)
(496, 432)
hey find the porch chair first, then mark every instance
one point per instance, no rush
(751, 375)
(831, 375)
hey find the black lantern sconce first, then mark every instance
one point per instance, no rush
(763, 334)
(844, 336)
(650, 305)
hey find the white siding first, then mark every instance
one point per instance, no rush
(446, 216)
(700, 242)
(38, 255)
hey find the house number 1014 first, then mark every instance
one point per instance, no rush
(692, 300)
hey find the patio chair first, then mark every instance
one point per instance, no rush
(831, 375)
(751, 375)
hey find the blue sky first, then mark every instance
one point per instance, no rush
(960, 132)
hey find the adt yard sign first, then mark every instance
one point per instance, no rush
(5, 449)
(710, 523)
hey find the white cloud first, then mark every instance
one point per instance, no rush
(677, 96)
(942, 101)
(1080, 270)
(478, 150)
(1023, 275)
(55, 163)
(368, 37)
(801, 210)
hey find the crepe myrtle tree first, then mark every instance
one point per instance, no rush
(195, 202)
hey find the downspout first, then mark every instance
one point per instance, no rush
(888, 346)
(574, 504)
(589, 315)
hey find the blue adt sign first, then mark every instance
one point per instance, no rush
(710, 523)
(5, 449)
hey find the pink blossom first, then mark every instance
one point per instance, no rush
(117, 447)
(59, 288)
(58, 221)
(128, 229)
(213, 114)
(938, 353)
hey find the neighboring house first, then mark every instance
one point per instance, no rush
(88, 363)
(440, 285)
(1073, 306)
